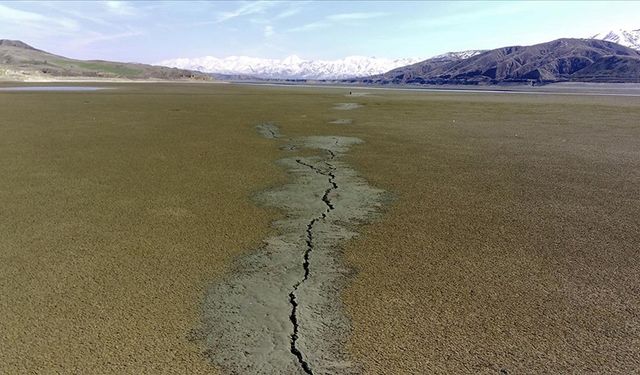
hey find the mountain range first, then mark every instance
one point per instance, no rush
(292, 67)
(22, 62)
(611, 56)
(295, 68)
(584, 60)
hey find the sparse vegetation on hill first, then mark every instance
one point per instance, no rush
(20, 61)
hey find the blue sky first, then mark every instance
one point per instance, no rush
(148, 31)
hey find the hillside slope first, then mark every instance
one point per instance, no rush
(584, 60)
(19, 61)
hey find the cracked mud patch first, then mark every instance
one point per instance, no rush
(280, 310)
(347, 106)
(342, 121)
(268, 130)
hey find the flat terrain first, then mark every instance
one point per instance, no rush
(513, 243)
(510, 244)
(117, 210)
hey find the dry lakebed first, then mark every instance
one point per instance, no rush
(162, 228)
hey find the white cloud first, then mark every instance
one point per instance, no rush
(268, 31)
(290, 11)
(311, 26)
(342, 18)
(95, 37)
(83, 16)
(120, 8)
(355, 16)
(25, 19)
(287, 13)
(245, 10)
(463, 16)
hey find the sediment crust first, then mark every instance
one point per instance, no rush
(347, 106)
(268, 130)
(280, 310)
(341, 121)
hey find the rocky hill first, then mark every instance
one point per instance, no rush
(19, 61)
(585, 60)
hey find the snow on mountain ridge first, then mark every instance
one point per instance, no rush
(294, 67)
(627, 38)
(291, 67)
(461, 55)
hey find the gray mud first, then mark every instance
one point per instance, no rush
(279, 311)
(288, 147)
(342, 121)
(268, 130)
(347, 106)
(55, 88)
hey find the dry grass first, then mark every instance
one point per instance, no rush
(511, 243)
(117, 210)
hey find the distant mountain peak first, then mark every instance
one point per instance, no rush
(291, 67)
(627, 38)
(460, 55)
(293, 59)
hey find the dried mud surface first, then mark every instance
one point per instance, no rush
(268, 130)
(341, 121)
(280, 310)
(347, 106)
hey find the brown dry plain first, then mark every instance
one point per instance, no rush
(510, 246)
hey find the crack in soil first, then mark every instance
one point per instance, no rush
(269, 315)
(306, 264)
(294, 336)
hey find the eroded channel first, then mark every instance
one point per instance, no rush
(279, 311)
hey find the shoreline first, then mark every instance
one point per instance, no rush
(561, 88)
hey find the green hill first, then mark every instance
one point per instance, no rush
(19, 61)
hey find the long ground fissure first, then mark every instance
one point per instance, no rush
(268, 303)
(293, 317)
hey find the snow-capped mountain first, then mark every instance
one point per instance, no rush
(291, 67)
(627, 38)
(460, 55)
